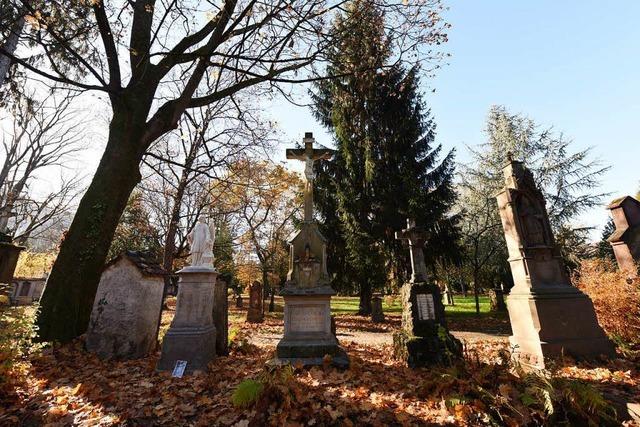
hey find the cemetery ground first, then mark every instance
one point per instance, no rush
(68, 386)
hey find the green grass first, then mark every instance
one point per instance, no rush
(349, 305)
(464, 306)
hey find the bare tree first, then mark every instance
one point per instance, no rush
(37, 136)
(131, 50)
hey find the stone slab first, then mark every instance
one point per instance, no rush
(197, 346)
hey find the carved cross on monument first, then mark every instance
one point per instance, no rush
(308, 155)
(416, 236)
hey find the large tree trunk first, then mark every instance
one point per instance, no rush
(10, 46)
(366, 293)
(71, 287)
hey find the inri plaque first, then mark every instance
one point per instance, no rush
(426, 307)
(307, 318)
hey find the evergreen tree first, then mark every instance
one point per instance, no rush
(135, 232)
(604, 250)
(386, 167)
(223, 253)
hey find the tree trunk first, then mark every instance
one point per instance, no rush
(366, 293)
(476, 293)
(65, 306)
(10, 46)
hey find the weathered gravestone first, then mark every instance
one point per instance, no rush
(221, 316)
(239, 301)
(625, 240)
(307, 293)
(255, 313)
(124, 319)
(496, 299)
(9, 254)
(26, 290)
(377, 315)
(549, 317)
(424, 339)
(191, 338)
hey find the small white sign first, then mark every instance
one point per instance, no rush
(178, 370)
(426, 307)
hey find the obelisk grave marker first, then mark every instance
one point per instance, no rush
(549, 317)
(424, 339)
(307, 293)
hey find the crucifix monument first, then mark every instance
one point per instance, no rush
(424, 339)
(307, 292)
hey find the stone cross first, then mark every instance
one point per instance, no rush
(416, 236)
(309, 155)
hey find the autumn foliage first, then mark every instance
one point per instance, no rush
(616, 300)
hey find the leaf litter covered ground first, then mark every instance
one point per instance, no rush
(68, 386)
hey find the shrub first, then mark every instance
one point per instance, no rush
(17, 332)
(617, 302)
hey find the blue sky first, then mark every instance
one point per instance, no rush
(571, 64)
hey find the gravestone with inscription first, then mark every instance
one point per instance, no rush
(255, 313)
(549, 317)
(496, 299)
(308, 338)
(424, 339)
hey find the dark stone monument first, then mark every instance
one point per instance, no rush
(625, 240)
(221, 317)
(377, 315)
(255, 313)
(307, 293)
(239, 301)
(496, 298)
(424, 339)
(549, 317)
(9, 254)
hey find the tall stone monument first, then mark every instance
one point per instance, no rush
(625, 240)
(424, 339)
(549, 317)
(192, 335)
(307, 292)
(255, 313)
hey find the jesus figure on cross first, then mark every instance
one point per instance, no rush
(309, 155)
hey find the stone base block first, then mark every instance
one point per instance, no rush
(195, 345)
(417, 352)
(553, 322)
(310, 352)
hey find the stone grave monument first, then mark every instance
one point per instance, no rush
(496, 299)
(239, 301)
(377, 315)
(124, 319)
(549, 317)
(625, 240)
(191, 338)
(424, 339)
(221, 316)
(255, 313)
(9, 254)
(307, 292)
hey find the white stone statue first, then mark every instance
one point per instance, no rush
(201, 240)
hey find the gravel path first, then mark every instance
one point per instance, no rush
(376, 338)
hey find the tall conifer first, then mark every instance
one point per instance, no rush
(386, 167)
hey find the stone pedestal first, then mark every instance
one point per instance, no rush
(308, 337)
(192, 335)
(424, 339)
(549, 317)
(377, 315)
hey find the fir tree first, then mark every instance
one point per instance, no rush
(604, 250)
(386, 167)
